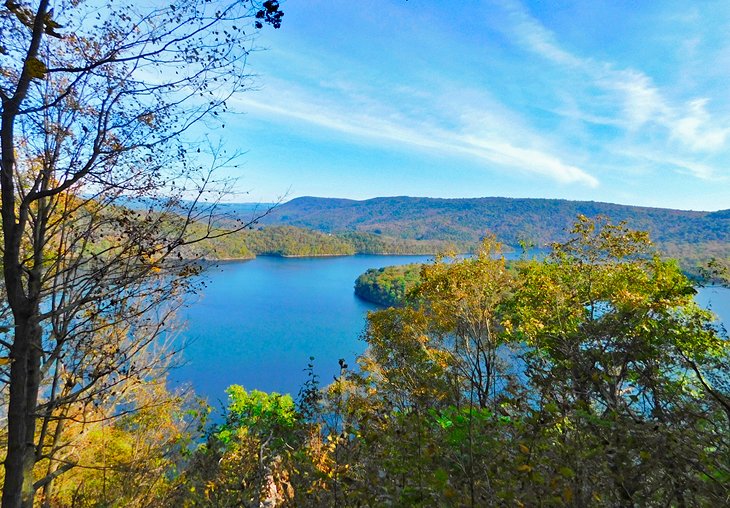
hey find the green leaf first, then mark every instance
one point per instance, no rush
(566, 472)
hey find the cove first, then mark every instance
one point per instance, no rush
(257, 322)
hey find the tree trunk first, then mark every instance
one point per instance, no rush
(25, 353)
(18, 490)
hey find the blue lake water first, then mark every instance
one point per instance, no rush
(258, 322)
(717, 299)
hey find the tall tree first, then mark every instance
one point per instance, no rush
(619, 348)
(96, 100)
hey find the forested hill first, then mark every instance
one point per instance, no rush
(288, 241)
(512, 220)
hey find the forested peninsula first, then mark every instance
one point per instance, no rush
(389, 286)
(289, 241)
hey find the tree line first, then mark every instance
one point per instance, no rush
(289, 241)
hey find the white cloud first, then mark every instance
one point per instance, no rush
(536, 37)
(639, 105)
(692, 128)
(642, 102)
(665, 161)
(529, 160)
(473, 133)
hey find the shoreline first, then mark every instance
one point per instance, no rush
(297, 256)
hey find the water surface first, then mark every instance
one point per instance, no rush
(717, 299)
(258, 322)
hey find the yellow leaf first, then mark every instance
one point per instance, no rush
(568, 494)
(524, 449)
(36, 68)
(524, 468)
(5, 360)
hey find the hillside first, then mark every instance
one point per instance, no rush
(512, 220)
(692, 236)
(289, 241)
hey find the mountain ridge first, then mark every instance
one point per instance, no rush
(512, 220)
(496, 198)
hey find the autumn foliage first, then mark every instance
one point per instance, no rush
(587, 378)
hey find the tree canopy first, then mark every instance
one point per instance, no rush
(588, 378)
(98, 99)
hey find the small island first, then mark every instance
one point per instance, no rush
(388, 286)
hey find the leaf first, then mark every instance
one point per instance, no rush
(445, 422)
(568, 494)
(566, 472)
(36, 69)
(441, 477)
(5, 360)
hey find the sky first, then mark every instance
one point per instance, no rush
(618, 101)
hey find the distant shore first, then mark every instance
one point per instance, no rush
(294, 256)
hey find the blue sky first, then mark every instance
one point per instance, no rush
(618, 101)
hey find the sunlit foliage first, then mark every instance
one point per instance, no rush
(588, 378)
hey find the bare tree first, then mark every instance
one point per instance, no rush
(97, 100)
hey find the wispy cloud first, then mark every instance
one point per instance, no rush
(645, 106)
(510, 96)
(364, 117)
(638, 103)
(663, 160)
(695, 128)
(536, 37)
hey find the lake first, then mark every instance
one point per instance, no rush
(258, 322)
